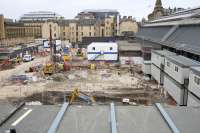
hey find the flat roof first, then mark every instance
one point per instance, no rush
(5, 110)
(102, 44)
(186, 119)
(196, 70)
(37, 121)
(86, 119)
(140, 119)
(163, 52)
(183, 61)
(96, 119)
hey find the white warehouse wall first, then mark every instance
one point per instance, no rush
(192, 101)
(156, 59)
(155, 73)
(193, 87)
(178, 76)
(173, 89)
(146, 67)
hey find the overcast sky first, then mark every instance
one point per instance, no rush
(69, 8)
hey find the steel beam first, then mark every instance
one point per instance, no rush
(113, 118)
(167, 118)
(57, 120)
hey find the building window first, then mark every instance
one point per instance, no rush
(54, 34)
(147, 56)
(82, 33)
(63, 33)
(111, 48)
(197, 80)
(168, 64)
(176, 68)
(90, 34)
(93, 48)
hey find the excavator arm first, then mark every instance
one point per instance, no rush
(76, 93)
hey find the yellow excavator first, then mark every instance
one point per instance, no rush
(48, 69)
(76, 93)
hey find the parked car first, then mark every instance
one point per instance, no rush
(28, 58)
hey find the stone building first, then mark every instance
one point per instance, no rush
(89, 23)
(86, 28)
(128, 26)
(2, 30)
(158, 11)
(54, 28)
(17, 30)
(12, 33)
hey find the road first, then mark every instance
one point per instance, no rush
(17, 90)
(20, 69)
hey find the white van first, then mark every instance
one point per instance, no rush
(27, 58)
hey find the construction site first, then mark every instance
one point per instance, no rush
(100, 73)
(74, 88)
(105, 81)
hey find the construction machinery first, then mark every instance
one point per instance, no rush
(18, 59)
(48, 69)
(92, 66)
(66, 57)
(79, 53)
(76, 93)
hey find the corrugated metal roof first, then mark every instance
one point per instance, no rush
(153, 33)
(185, 37)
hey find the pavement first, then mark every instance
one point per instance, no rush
(20, 69)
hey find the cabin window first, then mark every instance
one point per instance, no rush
(168, 64)
(176, 68)
(197, 80)
(93, 48)
(111, 48)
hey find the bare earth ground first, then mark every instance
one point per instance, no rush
(105, 84)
